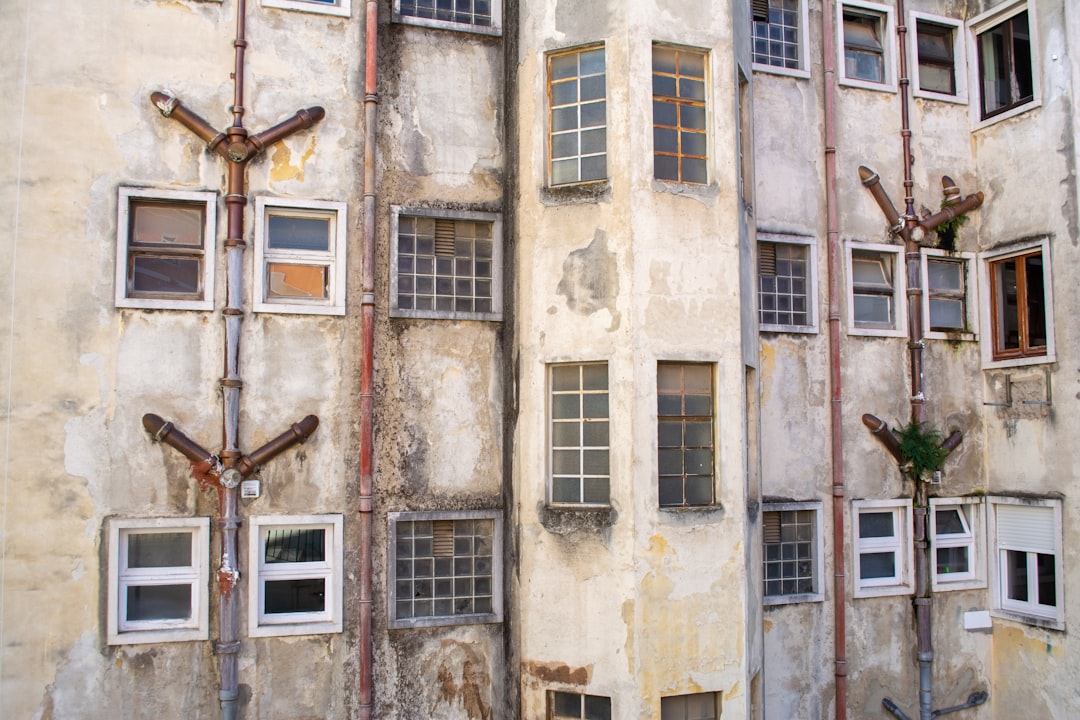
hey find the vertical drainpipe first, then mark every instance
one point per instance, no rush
(836, 420)
(367, 356)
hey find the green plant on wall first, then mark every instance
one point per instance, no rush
(920, 448)
(948, 230)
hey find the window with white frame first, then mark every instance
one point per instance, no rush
(295, 577)
(936, 57)
(877, 288)
(165, 249)
(446, 568)
(793, 550)
(947, 304)
(686, 460)
(680, 117)
(577, 706)
(882, 540)
(1018, 315)
(158, 580)
(478, 16)
(580, 427)
(957, 536)
(577, 123)
(787, 271)
(446, 264)
(780, 37)
(696, 706)
(1026, 568)
(866, 54)
(299, 256)
(1004, 70)
(326, 7)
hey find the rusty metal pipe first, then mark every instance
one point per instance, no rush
(302, 120)
(171, 107)
(167, 433)
(881, 431)
(297, 434)
(953, 441)
(949, 212)
(872, 181)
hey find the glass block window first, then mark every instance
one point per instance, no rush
(792, 552)
(680, 118)
(446, 568)
(447, 266)
(776, 41)
(580, 454)
(577, 95)
(480, 16)
(573, 706)
(783, 284)
(685, 435)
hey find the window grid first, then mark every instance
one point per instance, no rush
(937, 65)
(782, 284)
(1018, 306)
(577, 98)
(680, 136)
(575, 706)
(445, 265)
(443, 568)
(789, 552)
(776, 42)
(685, 434)
(467, 12)
(580, 454)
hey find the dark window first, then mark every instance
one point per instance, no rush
(1005, 66)
(685, 434)
(937, 69)
(864, 54)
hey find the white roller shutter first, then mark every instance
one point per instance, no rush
(1025, 527)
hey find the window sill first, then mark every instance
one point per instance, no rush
(951, 585)
(1043, 622)
(443, 620)
(566, 519)
(314, 628)
(777, 70)
(867, 85)
(878, 332)
(139, 637)
(715, 508)
(1019, 362)
(340, 9)
(940, 97)
(576, 193)
(493, 30)
(958, 336)
(707, 192)
(800, 329)
(775, 600)
(981, 123)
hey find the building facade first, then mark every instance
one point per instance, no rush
(510, 359)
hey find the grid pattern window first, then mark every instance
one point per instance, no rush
(785, 287)
(295, 579)
(1019, 304)
(580, 453)
(947, 308)
(685, 434)
(1006, 75)
(876, 289)
(956, 536)
(1027, 560)
(680, 120)
(698, 706)
(446, 568)
(325, 7)
(447, 265)
(158, 580)
(299, 256)
(935, 46)
(882, 534)
(777, 36)
(577, 94)
(866, 53)
(165, 249)
(574, 706)
(478, 16)
(793, 548)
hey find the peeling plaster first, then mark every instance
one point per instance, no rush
(590, 280)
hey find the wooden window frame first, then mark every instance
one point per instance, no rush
(679, 102)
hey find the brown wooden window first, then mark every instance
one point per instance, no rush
(680, 120)
(685, 436)
(1018, 306)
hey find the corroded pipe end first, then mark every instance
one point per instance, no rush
(153, 423)
(950, 443)
(873, 423)
(164, 102)
(313, 115)
(867, 175)
(307, 427)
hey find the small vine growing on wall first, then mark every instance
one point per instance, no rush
(948, 230)
(920, 448)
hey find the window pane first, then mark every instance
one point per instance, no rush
(873, 309)
(170, 549)
(294, 596)
(1016, 575)
(948, 522)
(167, 224)
(1007, 307)
(1047, 580)
(566, 705)
(292, 545)
(877, 565)
(158, 602)
(286, 232)
(946, 314)
(165, 275)
(876, 525)
(952, 560)
(597, 708)
(1036, 306)
(285, 280)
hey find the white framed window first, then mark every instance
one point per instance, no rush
(1018, 310)
(299, 256)
(158, 580)
(446, 568)
(295, 574)
(791, 533)
(882, 531)
(1027, 575)
(165, 242)
(696, 706)
(580, 434)
(949, 298)
(325, 7)
(876, 290)
(936, 57)
(867, 51)
(577, 115)
(578, 706)
(477, 16)
(680, 114)
(446, 264)
(787, 283)
(1003, 47)
(780, 38)
(957, 537)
